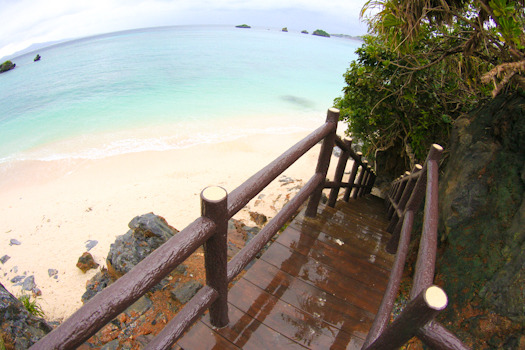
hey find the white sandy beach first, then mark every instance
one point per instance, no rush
(53, 208)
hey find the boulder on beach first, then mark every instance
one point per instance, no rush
(147, 233)
(20, 329)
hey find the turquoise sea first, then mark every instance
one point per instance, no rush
(166, 88)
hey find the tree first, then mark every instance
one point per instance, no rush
(426, 63)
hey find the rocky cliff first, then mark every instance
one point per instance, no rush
(483, 225)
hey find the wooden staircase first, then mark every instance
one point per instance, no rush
(318, 286)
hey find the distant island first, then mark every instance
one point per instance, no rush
(37, 58)
(285, 29)
(7, 65)
(346, 36)
(243, 26)
(304, 32)
(320, 32)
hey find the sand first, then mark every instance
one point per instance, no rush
(54, 208)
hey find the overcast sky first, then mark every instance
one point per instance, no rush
(25, 22)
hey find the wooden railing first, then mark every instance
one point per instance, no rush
(209, 230)
(427, 300)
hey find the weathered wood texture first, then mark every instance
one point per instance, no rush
(318, 286)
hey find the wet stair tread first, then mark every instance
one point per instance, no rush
(318, 286)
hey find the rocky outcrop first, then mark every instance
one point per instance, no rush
(135, 327)
(482, 212)
(19, 329)
(147, 233)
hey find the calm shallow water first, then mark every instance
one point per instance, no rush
(166, 88)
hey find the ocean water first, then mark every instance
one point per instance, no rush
(166, 88)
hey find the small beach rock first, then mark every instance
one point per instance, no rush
(17, 279)
(186, 291)
(20, 329)
(52, 272)
(14, 242)
(86, 262)
(285, 180)
(100, 281)
(258, 218)
(29, 283)
(4, 259)
(91, 244)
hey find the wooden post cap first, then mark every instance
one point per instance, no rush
(213, 193)
(436, 298)
(437, 147)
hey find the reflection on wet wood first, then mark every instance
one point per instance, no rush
(313, 300)
(318, 286)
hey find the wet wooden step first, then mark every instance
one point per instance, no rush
(318, 286)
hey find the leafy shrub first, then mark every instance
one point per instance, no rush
(31, 306)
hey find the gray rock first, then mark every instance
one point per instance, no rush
(17, 279)
(4, 259)
(29, 283)
(140, 306)
(186, 291)
(112, 345)
(20, 329)
(14, 242)
(52, 272)
(147, 233)
(100, 281)
(90, 244)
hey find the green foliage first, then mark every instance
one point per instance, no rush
(387, 104)
(304, 31)
(243, 26)
(426, 64)
(320, 32)
(31, 306)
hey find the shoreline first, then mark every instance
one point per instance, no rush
(54, 208)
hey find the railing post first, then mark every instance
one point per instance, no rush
(323, 162)
(370, 182)
(364, 185)
(396, 197)
(339, 172)
(421, 310)
(411, 196)
(359, 181)
(214, 207)
(353, 174)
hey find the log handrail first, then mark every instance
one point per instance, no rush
(360, 169)
(209, 231)
(417, 318)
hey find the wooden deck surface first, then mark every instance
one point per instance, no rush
(318, 286)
